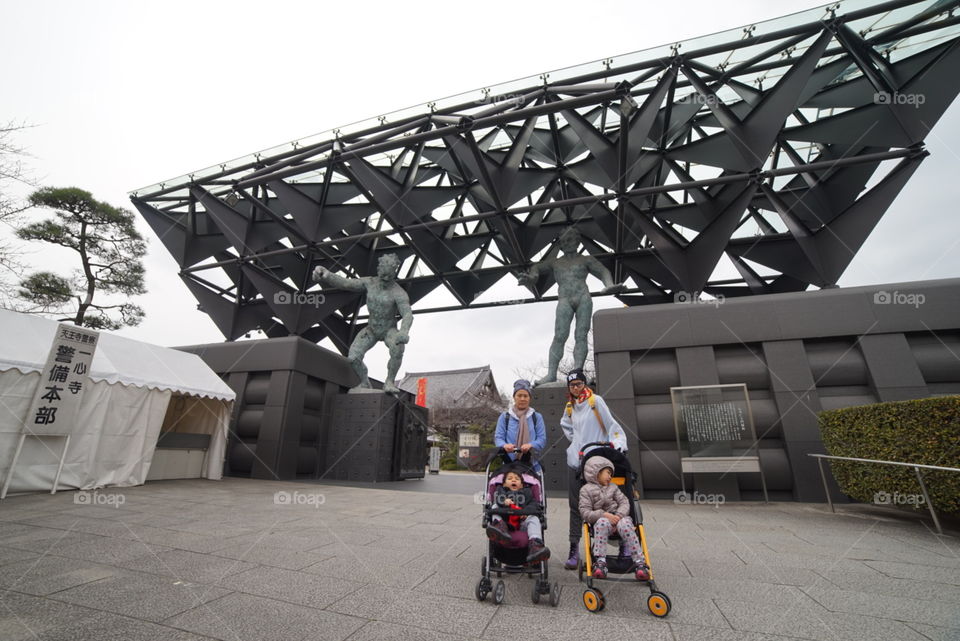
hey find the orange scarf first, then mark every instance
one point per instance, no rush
(584, 395)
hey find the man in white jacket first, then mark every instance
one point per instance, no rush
(586, 419)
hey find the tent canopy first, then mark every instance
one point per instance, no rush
(114, 436)
(117, 359)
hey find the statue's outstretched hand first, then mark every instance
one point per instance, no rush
(614, 289)
(320, 273)
(402, 338)
(526, 278)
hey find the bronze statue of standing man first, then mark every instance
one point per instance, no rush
(386, 300)
(570, 272)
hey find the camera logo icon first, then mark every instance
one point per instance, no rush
(681, 498)
(882, 298)
(282, 298)
(882, 498)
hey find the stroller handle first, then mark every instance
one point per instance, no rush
(593, 444)
(525, 459)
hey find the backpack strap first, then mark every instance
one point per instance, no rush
(593, 405)
(596, 412)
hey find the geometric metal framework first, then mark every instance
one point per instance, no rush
(752, 161)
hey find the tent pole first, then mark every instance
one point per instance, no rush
(63, 456)
(13, 464)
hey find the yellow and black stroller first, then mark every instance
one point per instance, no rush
(625, 478)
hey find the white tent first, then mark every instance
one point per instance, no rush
(137, 389)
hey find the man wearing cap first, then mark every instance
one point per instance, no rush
(586, 419)
(521, 430)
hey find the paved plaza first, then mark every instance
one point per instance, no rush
(234, 560)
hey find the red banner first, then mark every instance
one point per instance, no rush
(422, 392)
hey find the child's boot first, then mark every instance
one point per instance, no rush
(537, 551)
(498, 533)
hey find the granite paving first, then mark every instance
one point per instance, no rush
(243, 559)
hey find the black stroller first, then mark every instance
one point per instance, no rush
(511, 558)
(625, 478)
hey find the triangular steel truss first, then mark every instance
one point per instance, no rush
(771, 151)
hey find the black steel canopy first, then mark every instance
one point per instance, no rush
(753, 161)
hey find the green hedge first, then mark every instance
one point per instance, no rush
(925, 431)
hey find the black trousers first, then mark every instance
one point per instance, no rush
(573, 497)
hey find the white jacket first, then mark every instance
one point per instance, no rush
(582, 427)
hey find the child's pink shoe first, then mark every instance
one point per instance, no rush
(643, 573)
(600, 571)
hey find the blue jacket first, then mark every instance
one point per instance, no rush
(508, 425)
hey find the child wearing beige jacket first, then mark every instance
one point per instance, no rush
(606, 508)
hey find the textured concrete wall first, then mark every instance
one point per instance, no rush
(798, 354)
(285, 392)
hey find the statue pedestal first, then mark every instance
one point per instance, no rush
(376, 436)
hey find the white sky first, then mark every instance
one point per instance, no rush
(126, 94)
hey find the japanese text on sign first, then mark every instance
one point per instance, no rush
(62, 381)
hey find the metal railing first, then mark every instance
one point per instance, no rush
(916, 469)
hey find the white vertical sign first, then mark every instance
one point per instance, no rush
(62, 381)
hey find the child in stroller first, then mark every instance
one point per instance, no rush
(515, 494)
(610, 491)
(514, 517)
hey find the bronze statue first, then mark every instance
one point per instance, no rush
(386, 300)
(570, 272)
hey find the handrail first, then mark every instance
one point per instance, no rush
(870, 460)
(916, 469)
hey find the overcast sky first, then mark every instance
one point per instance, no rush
(127, 94)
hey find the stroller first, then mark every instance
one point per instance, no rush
(623, 476)
(511, 558)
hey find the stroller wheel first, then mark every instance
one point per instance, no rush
(482, 590)
(555, 595)
(593, 599)
(535, 592)
(659, 604)
(498, 591)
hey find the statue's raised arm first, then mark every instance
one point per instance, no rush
(327, 277)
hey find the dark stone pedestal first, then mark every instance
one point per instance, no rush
(293, 417)
(375, 436)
